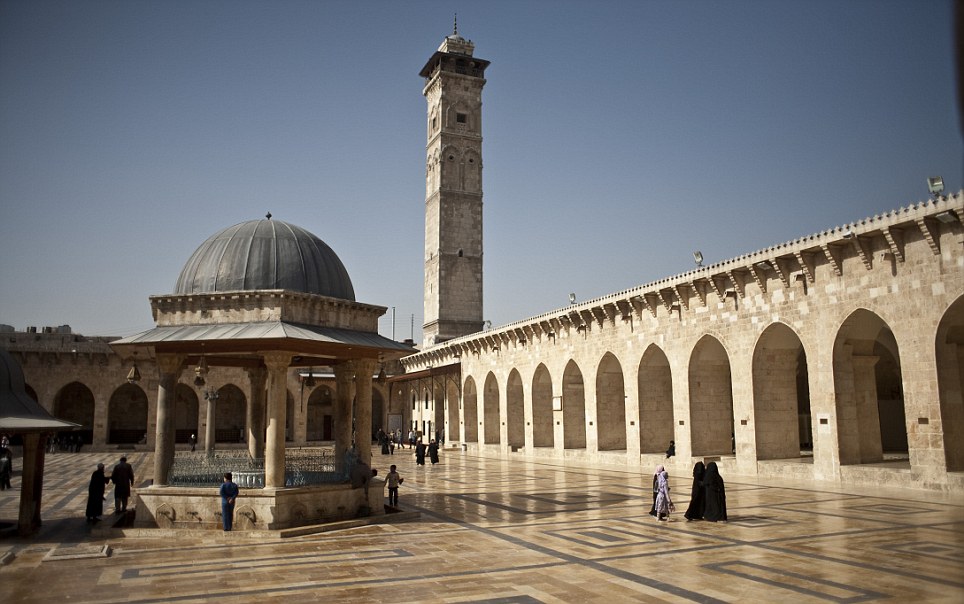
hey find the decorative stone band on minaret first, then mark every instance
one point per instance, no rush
(453, 192)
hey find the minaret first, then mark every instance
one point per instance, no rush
(453, 191)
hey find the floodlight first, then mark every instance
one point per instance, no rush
(935, 184)
(698, 258)
(572, 298)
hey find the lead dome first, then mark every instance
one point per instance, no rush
(265, 254)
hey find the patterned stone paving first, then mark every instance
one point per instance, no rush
(514, 532)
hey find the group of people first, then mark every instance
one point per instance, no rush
(123, 478)
(421, 449)
(70, 443)
(707, 497)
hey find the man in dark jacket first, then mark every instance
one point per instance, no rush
(123, 478)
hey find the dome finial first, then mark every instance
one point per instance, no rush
(455, 25)
(268, 215)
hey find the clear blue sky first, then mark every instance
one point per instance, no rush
(618, 138)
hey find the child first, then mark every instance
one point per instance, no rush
(393, 480)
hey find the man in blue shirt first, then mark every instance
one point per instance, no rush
(229, 494)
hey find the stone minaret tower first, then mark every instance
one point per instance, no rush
(453, 191)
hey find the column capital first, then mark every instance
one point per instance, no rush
(170, 363)
(364, 367)
(277, 361)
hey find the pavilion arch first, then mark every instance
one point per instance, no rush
(320, 413)
(185, 413)
(127, 416)
(573, 407)
(868, 389)
(950, 382)
(229, 415)
(515, 410)
(490, 408)
(75, 403)
(452, 402)
(610, 404)
(470, 410)
(379, 416)
(781, 394)
(711, 399)
(655, 379)
(542, 430)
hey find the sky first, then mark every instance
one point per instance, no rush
(619, 137)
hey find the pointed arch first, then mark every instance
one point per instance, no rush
(75, 403)
(950, 382)
(515, 410)
(127, 415)
(573, 407)
(490, 404)
(542, 431)
(320, 413)
(868, 390)
(229, 414)
(610, 404)
(470, 410)
(711, 399)
(185, 413)
(781, 394)
(655, 381)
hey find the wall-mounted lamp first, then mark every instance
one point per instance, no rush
(211, 395)
(133, 375)
(200, 372)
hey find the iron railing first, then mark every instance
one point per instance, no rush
(303, 467)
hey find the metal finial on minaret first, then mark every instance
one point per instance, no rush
(268, 215)
(455, 25)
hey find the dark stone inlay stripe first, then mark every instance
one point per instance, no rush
(860, 595)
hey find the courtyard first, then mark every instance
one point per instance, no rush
(509, 531)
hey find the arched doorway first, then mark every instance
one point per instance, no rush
(75, 403)
(127, 416)
(542, 431)
(229, 415)
(655, 382)
(470, 410)
(610, 404)
(573, 407)
(515, 410)
(950, 383)
(490, 405)
(869, 393)
(185, 413)
(781, 395)
(320, 412)
(711, 399)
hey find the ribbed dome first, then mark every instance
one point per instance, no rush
(265, 254)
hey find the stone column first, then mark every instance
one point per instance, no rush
(868, 415)
(342, 409)
(363, 408)
(209, 425)
(255, 412)
(31, 483)
(274, 453)
(169, 370)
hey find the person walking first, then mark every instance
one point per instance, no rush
(659, 470)
(714, 491)
(664, 504)
(229, 495)
(393, 480)
(433, 452)
(697, 498)
(95, 494)
(193, 441)
(123, 478)
(420, 453)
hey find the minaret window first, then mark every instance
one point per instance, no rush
(461, 118)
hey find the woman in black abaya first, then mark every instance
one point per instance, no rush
(714, 509)
(697, 499)
(95, 494)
